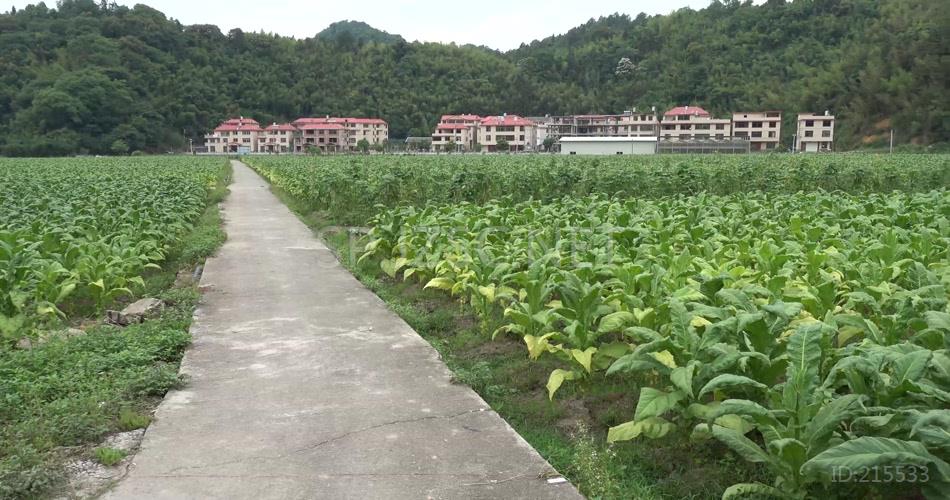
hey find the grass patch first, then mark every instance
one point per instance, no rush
(109, 456)
(569, 432)
(130, 420)
(71, 391)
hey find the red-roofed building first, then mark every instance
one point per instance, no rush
(520, 133)
(277, 138)
(456, 132)
(235, 135)
(687, 111)
(329, 134)
(374, 130)
(693, 122)
(332, 134)
(468, 132)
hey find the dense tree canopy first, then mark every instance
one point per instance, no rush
(99, 78)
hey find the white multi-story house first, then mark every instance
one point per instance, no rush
(762, 128)
(815, 133)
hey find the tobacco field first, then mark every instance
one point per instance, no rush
(78, 233)
(793, 308)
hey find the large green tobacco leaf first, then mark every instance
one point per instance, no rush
(752, 490)
(729, 381)
(745, 447)
(829, 418)
(868, 451)
(654, 403)
(802, 376)
(653, 427)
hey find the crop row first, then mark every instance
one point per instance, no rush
(351, 187)
(808, 332)
(86, 229)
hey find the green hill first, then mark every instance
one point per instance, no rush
(356, 32)
(90, 77)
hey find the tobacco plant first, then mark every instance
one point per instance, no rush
(82, 231)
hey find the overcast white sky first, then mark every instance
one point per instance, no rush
(500, 24)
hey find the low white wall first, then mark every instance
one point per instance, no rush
(608, 148)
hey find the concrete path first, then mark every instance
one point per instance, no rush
(304, 385)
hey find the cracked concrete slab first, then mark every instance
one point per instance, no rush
(302, 384)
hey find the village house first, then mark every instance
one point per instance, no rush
(693, 123)
(815, 133)
(762, 128)
(628, 124)
(237, 135)
(518, 132)
(328, 134)
(276, 138)
(456, 133)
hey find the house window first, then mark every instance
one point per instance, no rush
(809, 123)
(772, 134)
(773, 124)
(826, 133)
(521, 137)
(741, 124)
(720, 126)
(756, 134)
(756, 124)
(826, 123)
(809, 133)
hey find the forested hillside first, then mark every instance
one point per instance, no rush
(97, 78)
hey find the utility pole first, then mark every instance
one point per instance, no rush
(892, 141)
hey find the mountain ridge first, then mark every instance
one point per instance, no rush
(90, 77)
(358, 31)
